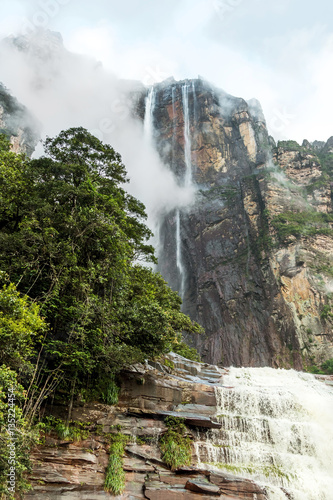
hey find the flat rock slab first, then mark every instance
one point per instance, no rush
(65, 456)
(181, 494)
(136, 465)
(190, 418)
(202, 487)
(196, 409)
(237, 486)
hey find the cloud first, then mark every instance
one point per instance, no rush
(66, 90)
(277, 52)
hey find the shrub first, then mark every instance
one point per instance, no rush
(298, 224)
(115, 475)
(184, 350)
(327, 367)
(174, 444)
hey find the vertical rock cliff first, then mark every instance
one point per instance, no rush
(17, 123)
(252, 256)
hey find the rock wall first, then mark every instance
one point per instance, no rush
(76, 470)
(17, 123)
(260, 301)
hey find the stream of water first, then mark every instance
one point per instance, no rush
(148, 124)
(187, 138)
(179, 262)
(277, 428)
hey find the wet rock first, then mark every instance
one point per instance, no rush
(202, 487)
(229, 246)
(190, 419)
(77, 470)
(240, 488)
(17, 122)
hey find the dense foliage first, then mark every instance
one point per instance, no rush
(20, 326)
(72, 238)
(79, 303)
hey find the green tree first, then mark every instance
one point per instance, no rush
(16, 436)
(72, 239)
(21, 328)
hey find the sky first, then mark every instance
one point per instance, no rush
(280, 52)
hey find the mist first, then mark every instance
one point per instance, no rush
(64, 90)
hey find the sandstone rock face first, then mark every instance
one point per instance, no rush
(260, 301)
(17, 123)
(76, 470)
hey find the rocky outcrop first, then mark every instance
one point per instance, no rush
(17, 123)
(173, 386)
(253, 406)
(260, 299)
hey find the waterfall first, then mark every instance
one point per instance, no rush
(276, 429)
(179, 262)
(187, 178)
(187, 138)
(174, 127)
(148, 130)
(148, 124)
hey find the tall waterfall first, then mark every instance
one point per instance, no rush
(187, 138)
(179, 262)
(276, 429)
(148, 129)
(148, 124)
(187, 181)
(174, 127)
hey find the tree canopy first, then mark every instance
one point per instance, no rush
(73, 241)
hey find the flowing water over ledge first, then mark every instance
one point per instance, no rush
(277, 428)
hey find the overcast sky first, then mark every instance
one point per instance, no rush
(280, 52)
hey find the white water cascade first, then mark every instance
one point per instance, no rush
(277, 429)
(148, 130)
(174, 127)
(187, 138)
(148, 125)
(187, 182)
(179, 262)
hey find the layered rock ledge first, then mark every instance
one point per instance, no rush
(149, 393)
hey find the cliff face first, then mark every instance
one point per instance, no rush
(240, 422)
(252, 255)
(76, 469)
(262, 294)
(17, 123)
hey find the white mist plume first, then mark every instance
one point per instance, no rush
(65, 90)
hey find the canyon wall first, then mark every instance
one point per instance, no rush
(262, 297)
(252, 255)
(17, 123)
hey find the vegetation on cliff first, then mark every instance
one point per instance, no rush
(79, 305)
(305, 223)
(175, 445)
(115, 475)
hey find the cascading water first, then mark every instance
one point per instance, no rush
(148, 129)
(148, 124)
(179, 262)
(187, 181)
(174, 128)
(276, 429)
(187, 138)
